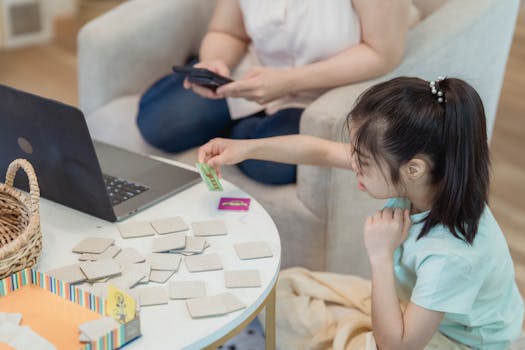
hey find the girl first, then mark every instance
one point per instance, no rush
(435, 245)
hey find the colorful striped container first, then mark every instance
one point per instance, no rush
(110, 341)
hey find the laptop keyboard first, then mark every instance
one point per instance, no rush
(121, 190)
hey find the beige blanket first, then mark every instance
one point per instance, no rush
(321, 310)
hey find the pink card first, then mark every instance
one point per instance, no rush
(242, 204)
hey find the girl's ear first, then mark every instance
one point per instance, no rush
(415, 169)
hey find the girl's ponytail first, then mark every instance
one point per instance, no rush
(463, 189)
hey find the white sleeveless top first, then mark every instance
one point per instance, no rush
(292, 33)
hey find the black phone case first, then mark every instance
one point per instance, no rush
(202, 76)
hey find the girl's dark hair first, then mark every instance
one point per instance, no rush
(401, 118)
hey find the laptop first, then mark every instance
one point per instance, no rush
(93, 177)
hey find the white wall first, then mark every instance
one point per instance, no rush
(61, 7)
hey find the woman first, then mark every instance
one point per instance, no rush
(282, 55)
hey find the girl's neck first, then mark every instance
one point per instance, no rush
(421, 200)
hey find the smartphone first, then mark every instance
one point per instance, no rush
(202, 76)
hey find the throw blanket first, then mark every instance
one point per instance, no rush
(322, 310)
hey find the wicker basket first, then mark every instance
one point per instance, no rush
(20, 235)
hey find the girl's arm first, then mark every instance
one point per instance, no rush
(393, 328)
(384, 30)
(295, 149)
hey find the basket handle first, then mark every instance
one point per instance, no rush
(34, 190)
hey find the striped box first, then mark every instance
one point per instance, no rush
(110, 341)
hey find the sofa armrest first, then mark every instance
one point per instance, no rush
(125, 50)
(458, 49)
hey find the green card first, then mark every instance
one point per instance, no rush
(209, 176)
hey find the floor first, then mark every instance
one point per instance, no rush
(50, 70)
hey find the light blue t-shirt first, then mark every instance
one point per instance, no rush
(473, 285)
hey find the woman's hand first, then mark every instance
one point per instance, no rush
(261, 85)
(216, 66)
(221, 151)
(384, 232)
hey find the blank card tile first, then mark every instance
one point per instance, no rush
(164, 261)
(195, 244)
(160, 276)
(209, 228)
(98, 328)
(167, 242)
(213, 305)
(135, 229)
(10, 317)
(253, 250)
(99, 269)
(169, 225)
(186, 289)
(242, 278)
(207, 262)
(109, 253)
(127, 280)
(143, 268)
(93, 245)
(152, 296)
(68, 274)
(129, 256)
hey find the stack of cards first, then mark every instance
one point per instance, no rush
(163, 266)
(209, 176)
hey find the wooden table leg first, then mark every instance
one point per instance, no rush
(270, 321)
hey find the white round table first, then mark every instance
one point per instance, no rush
(170, 326)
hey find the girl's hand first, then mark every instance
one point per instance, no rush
(216, 66)
(261, 85)
(384, 232)
(220, 151)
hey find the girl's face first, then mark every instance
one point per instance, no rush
(371, 178)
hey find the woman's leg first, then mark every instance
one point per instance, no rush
(284, 122)
(174, 119)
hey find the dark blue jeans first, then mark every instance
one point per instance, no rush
(174, 119)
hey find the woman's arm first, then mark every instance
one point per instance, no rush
(226, 39)
(223, 46)
(384, 30)
(295, 149)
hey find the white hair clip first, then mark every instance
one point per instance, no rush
(434, 87)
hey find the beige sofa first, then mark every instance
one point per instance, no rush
(320, 219)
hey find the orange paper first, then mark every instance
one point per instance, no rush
(54, 318)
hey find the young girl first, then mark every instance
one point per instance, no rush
(436, 245)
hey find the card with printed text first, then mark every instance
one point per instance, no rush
(236, 204)
(209, 176)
